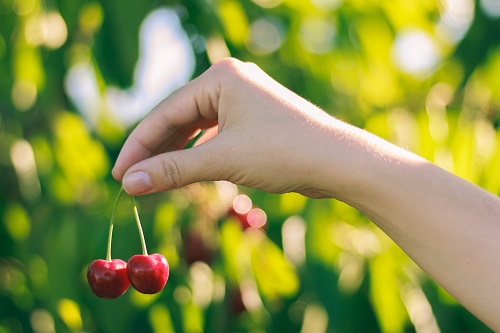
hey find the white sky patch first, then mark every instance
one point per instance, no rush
(414, 52)
(490, 7)
(166, 62)
(456, 18)
(81, 85)
(317, 35)
(265, 36)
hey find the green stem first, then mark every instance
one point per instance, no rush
(110, 236)
(141, 234)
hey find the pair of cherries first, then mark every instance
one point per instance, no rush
(147, 273)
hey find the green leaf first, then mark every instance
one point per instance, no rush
(385, 293)
(275, 276)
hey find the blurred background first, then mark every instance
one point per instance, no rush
(75, 78)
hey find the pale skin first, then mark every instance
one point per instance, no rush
(261, 135)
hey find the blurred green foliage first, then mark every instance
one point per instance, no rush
(420, 73)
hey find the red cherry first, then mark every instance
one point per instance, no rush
(236, 301)
(255, 218)
(240, 217)
(148, 274)
(196, 248)
(108, 279)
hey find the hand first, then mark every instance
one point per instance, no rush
(258, 134)
(261, 135)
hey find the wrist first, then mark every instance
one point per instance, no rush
(356, 167)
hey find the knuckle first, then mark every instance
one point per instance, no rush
(171, 174)
(232, 72)
(228, 64)
(229, 67)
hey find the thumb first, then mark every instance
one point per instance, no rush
(174, 169)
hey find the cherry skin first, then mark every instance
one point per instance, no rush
(148, 274)
(108, 279)
(242, 218)
(236, 301)
(196, 248)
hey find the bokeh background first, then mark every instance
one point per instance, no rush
(76, 76)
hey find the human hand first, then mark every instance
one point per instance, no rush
(261, 135)
(258, 134)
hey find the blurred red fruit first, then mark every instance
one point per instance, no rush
(108, 279)
(148, 274)
(196, 248)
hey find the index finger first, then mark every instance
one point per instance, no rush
(182, 114)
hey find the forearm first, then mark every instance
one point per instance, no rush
(447, 225)
(271, 139)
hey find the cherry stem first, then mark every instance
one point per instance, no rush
(110, 236)
(141, 234)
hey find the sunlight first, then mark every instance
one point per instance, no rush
(315, 319)
(294, 244)
(24, 94)
(42, 321)
(24, 7)
(216, 49)
(317, 35)
(490, 7)
(456, 18)
(77, 76)
(242, 204)
(414, 52)
(48, 29)
(202, 283)
(250, 295)
(265, 36)
(81, 85)
(419, 309)
(23, 159)
(257, 218)
(327, 4)
(267, 3)
(166, 62)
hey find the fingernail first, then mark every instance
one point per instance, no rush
(137, 182)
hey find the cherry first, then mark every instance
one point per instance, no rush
(111, 278)
(196, 248)
(148, 274)
(236, 301)
(108, 279)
